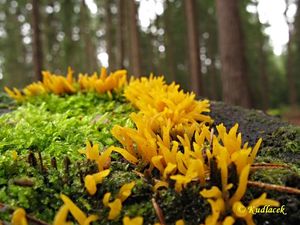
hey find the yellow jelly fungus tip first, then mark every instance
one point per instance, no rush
(160, 184)
(106, 199)
(239, 193)
(19, 217)
(239, 209)
(134, 221)
(214, 192)
(115, 209)
(90, 219)
(179, 222)
(90, 184)
(125, 191)
(229, 220)
(254, 151)
(79, 215)
(91, 181)
(262, 200)
(61, 215)
(127, 155)
(171, 168)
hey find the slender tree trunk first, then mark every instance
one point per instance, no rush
(108, 35)
(50, 38)
(134, 39)
(37, 45)
(289, 60)
(264, 81)
(85, 36)
(193, 47)
(67, 28)
(121, 34)
(236, 89)
(289, 73)
(169, 42)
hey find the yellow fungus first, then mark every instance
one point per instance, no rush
(91, 181)
(134, 221)
(159, 184)
(125, 191)
(115, 209)
(76, 212)
(170, 169)
(61, 216)
(179, 222)
(106, 199)
(229, 220)
(19, 217)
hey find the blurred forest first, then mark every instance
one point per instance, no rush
(217, 48)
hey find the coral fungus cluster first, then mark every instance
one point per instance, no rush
(59, 84)
(172, 140)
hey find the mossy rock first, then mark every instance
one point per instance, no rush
(97, 114)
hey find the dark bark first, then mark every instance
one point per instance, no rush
(66, 5)
(231, 43)
(169, 42)
(292, 89)
(88, 49)
(121, 35)
(109, 35)
(37, 43)
(193, 47)
(289, 74)
(264, 80)
(134, 39)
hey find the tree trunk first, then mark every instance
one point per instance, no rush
(109, 35)
(264, 81)
(67, 42)
(37, 45)
(134, 39)
(292, 89)
(289, 74)
(233, 60)
(193, 47)
(120, 34)
(169, 42)
(84, 22)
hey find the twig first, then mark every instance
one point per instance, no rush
(24, 182)
(158, 212)
(211, 138)
(36, 221)
(274, 187)
(258, 166)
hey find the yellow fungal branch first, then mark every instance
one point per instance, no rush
(102, 83)
(76, 212)
(58, 84)
(19, 217)
(125, 191)
(91, 181)
(161, 102)
(134, 221)
(92, 153)
(116, 205)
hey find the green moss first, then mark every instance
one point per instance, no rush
(58, 126)
(284, 145)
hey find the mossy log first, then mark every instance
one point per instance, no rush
(280, 149)
(281, 146)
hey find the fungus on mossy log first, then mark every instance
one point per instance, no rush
(167, 151)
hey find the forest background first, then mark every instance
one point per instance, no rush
(222, 50)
